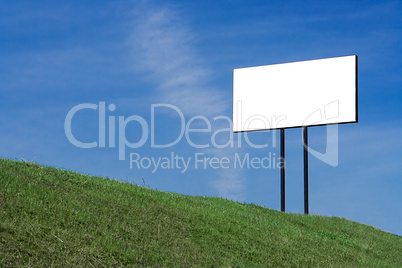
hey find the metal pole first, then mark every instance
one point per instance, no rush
(305, 157)
(282, 169)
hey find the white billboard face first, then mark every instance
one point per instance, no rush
(306, 93)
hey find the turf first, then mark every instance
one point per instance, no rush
(52, 217)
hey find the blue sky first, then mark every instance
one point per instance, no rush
(133, 54)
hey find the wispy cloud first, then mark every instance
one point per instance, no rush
(163, 48)
(231, 185)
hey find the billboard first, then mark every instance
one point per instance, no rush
(296, 94)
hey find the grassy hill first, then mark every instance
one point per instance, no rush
(51, 217)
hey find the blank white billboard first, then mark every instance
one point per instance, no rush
(296, 94)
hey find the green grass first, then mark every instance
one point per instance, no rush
(52, 217)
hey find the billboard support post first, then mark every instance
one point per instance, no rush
(305, 160)
(282, 169)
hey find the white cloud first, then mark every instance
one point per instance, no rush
(231, 185)
(163, 48)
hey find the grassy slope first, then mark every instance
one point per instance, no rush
(56, 217)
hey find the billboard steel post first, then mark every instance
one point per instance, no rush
(282, 169)
(305, 158)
